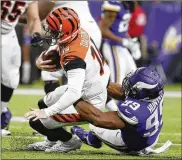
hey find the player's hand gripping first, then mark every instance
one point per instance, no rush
(36, 40)
(134, 46)
(45, 64)
(35, 114)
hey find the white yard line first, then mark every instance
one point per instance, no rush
(18, 119)
(29, 92)
(171, 94)
(170, 134)
(38, 137)
(173, 144)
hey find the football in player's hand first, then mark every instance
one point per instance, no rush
(52, 55)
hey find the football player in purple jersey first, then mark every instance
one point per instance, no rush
(114, 24)
(135, 127)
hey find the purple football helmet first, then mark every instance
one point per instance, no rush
(144, 83)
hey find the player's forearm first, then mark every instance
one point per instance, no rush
(115, 91)
(33, 19)
(76, 79)
(98, 118)
(109, 120)
(106, 33)
(35, 26)
(66, 100)
(45, 8)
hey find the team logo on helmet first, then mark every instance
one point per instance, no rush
(144, 83)
(63, 25)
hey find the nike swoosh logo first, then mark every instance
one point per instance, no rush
(127, 111)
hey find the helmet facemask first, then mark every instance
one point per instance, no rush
(52, 37)
(126, 85)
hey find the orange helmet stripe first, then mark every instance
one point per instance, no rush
(73, 17)
(71, 14)
(48, 20)
(52, 23)
(57, 18)
(65, 14)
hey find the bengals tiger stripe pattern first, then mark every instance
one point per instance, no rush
(67, 118)
(65, 17)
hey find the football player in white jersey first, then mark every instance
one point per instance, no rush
(11, 52)
(84, 67)
(87, 23)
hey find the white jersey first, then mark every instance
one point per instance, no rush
(83, 50)
(80, 7)
(84, 67)
(10, 14)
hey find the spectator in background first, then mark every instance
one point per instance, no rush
(26, 64)
(136, 26)
(137, 21)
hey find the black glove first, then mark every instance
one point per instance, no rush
(36, 40)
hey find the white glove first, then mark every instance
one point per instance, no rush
(133, 46)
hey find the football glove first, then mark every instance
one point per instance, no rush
(134, 47)
(36, 40)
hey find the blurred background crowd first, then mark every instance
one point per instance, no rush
(160, 40)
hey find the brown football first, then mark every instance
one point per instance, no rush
(54, 56)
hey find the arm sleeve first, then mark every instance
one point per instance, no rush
(76, 79)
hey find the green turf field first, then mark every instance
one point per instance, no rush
(14, 147)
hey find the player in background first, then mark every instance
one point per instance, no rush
(83, 66)
(136, 27)
(114, 26)
(11, 52)
(135, 127)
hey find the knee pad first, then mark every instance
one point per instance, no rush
(5, 119)
(41, 104)
(6, 93)
(50, 86)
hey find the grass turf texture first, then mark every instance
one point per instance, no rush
(14, 147)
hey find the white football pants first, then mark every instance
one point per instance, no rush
(11, 60)
(95, 95)
(114, 139)
(120, 61)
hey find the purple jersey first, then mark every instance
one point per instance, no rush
(144, 122)
(120, 25)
